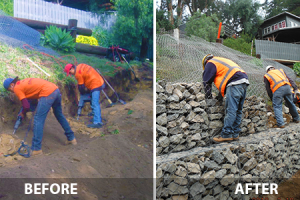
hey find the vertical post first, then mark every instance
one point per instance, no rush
(219, 32)
(251, 47)
(72, 27)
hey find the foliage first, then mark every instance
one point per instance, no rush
(275, 7)
(7, 7)
(202, 26)
(296, 68)
(130, 112)
(162, 21)
(134, 22)
(87, 40)
(59, 39)
(102, 36)
(241, 44)
(242, 15)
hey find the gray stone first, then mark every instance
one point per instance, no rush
(177, 189)
(208, 197)
(173, 98)
(164, 141)
(175, 130)
(261, 166)
(186, 94)
(158, 150)
(250, 164)
(245, 122)
(215, 124)
(197, 188)
(184, 125)
(191, 144)
(162, 119)
(161, 130)
(175, 106)
(169, 88)
(194, 104)
(215, 116)
(193, 168)
(211, 165)
(172, 117)
(171, 124)
(160, 109)
(227, 180)
(187, 107)
(175, 139)
(230, 157)
(218, 189)
(198, 119)
(180, 87)
(211, 102)
(181, 171)
(190, 117)
(196, 137)
(247, 178)
(159, 88)
(161, 98)
(218, 157)
(198, 110)
(194, 90)
(208, 177)
(179, 148)
(221, 173)
(195, 126)
(178, 93)
(200, 97)
(255, 119)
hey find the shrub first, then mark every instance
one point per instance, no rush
(296, 68)
(242, 44)
(87, 40)
(59, 39)
(102, 36)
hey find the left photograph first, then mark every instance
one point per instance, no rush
(76, 99)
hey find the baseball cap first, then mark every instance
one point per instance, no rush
(68, 68)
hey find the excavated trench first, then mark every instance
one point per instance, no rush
(127, 134)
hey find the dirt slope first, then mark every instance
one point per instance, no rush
(123, 148)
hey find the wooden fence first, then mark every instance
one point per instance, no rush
(54, 13)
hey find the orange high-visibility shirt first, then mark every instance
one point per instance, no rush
(33, 88)
(88, 76)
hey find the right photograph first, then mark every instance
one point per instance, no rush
(227, 100)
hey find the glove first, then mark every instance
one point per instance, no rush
(297, 93)
(219, 97)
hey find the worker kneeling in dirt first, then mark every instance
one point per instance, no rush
(88, 78)
(49, 96)
(278, 86)
(231, 80)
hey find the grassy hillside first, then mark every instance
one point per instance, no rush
(14, 62)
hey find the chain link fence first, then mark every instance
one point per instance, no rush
(179, 59)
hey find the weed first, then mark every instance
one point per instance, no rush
(130, 112)
(115, 132)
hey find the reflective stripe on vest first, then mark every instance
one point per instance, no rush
(228, 74)
(281, 80)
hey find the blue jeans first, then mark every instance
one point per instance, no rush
(235, 97)
(43, 107)
(286, 93)
(96, 110)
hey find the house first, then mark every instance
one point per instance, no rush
(284, 27)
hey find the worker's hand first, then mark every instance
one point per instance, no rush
(297, 93)
(22, 115)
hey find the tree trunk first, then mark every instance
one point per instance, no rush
(179, 11)
(170, 12)
(144, 48)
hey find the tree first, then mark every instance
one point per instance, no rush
(134, 23)
(203, 26)
(275, 7)
(242, 16)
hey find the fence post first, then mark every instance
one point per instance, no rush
(72, 27)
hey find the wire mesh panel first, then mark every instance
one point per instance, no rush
(180, 60)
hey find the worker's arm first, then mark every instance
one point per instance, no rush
(26, 107)
(268, 88)
(292, 83)
(82, 89)
(209, 75)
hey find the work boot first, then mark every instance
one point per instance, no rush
(220, 139)
(36, 152)
(296, 121)
(276, 126)
(73, 142)
(99, 125)
(237, 138)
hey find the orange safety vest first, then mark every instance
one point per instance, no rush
(225, 70)
(277, 78)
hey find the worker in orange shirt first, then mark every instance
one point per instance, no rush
(89, 80)
(49, 96)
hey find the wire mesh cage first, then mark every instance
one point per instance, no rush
(179, 59)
